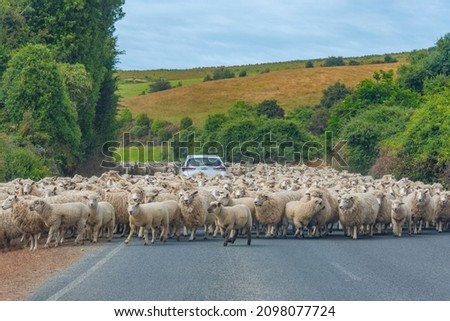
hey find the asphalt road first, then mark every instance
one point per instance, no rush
(331, 268)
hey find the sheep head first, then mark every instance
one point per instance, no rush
(133, 208)
(260, 199)
(9, 202)
(37, 205)
(396, 205)
(188, 198)
(214, 207)
(346, 202)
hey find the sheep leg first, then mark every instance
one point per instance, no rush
(226, 236)
(194, 230)
(51, 232)
(132, 227)
(249, 235)
(164, 232)
(355, 232)
(146, 235)
(233, 235)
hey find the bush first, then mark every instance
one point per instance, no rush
(243, 73)
(422, 150)
(142, 120)
(124, 117)
(185, 123)
(23, 163)
(334, 94)
(365, 131)
(270, 109)
(388, 59)
(160, 85)
(222, 73)
(334, 61)
(309, 64)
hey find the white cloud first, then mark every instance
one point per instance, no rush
(184, 34)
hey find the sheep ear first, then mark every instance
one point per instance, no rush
(194, 192)
(426, 191)
(401, 203)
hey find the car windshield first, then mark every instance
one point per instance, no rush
(204, 162)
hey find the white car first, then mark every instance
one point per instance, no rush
(210, 165)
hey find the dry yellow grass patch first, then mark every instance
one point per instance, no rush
(291, 88)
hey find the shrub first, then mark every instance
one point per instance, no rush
(23, 163)
(185, 123)
(334, 61)
(270, 109)
(160, 85)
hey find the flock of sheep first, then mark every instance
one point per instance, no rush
(276, 200)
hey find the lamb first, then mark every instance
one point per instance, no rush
(270, 209)
(227, 200)
(194, 210)
(422, 208)
(301, 213)
(101, 214)
(231, 219)
(29, 222)
(329, 215)
(357, 210)
(442, 211)
(62, 215)
(400, 214)
(149, 215)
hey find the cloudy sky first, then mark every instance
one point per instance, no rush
(179, 34)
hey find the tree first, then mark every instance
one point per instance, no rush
(334, 94)
(33, 82)
(422, 150)
(83, 32)
(79, 86)
(365, 131)
(270, 109)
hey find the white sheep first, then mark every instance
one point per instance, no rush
(174, 218)
(384, 213)
(329, 215)
(358, 210)
(270, 209)
(231, 220)
(119, 200)
(194, 210)
(101, 215)
(442, 211)
(227, 200)
(149, 216)
(422, 208)
(62, 215)
(8, 229)
(30, 223)
(400, 214)
(301, 213)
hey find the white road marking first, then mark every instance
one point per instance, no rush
(83, 277)
(346, 272)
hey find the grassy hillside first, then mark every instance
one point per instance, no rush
(291, 85)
